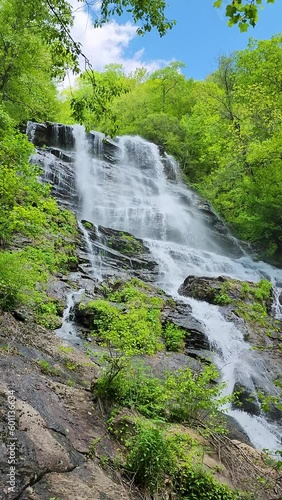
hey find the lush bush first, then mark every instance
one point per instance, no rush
(174, 337)
(33, 220)
(195, 483)
(182, 396)
(134, 386)
(162, 460)
(17, 280)
(134, 330)
(150, 457)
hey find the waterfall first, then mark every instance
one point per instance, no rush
(127, 185)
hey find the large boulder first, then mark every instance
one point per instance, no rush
(181, 316)
(202, 288)
(245, 400)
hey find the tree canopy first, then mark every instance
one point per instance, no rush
(245, 13)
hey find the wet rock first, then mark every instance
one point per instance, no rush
(163, 362)
(235, 431)
(51, 134)
(40, 134)
(169, 168)
(61, 176)
(62, 155)
(202, 288)
(245, 400)
(83, 314)
(181, 316)
(121, 251)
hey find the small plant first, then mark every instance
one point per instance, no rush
(149, 457)
(222, 299)
(65, 349)
(71, 365)
(174, 338)
(263, 290)
(87, 224)
(245, 289)
(46, 368)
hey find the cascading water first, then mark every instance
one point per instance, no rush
(137, 190)
(68, 330)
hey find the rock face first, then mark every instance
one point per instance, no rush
(181, 316)
(50, 134)
(53, 438)
(121, 252)
(207, 289)
(245, 400)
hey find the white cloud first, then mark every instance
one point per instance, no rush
(108, 44)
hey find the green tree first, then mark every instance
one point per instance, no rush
(242, 12)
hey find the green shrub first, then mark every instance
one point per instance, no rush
(156, 454)
(150, 457)
(194, 483)
(262, 290)
(133, 386)
(182, 396)
(134, 330)
(17, 280)
(174, 337)
(222, 299)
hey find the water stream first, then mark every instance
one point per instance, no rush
(139, 191)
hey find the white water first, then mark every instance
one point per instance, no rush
(133, 195)
(68, 330)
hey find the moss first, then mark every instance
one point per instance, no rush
(47, 369)
(126, 244)
(87, 224)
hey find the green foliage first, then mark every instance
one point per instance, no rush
(130, 318)
(150, 457)
(136, 330)
(134, 386)
(17, 279)
(194, 483)
(182, 396)
(150, 14)
(31, 218)
(158, 457)
(243, 13)
(46, 368)
(263, 290)
(268, 402)
(174, 337)
(47, 314)
(195, 397)
(222, 299)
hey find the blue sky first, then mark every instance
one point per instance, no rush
(201, 35)
(199, 38)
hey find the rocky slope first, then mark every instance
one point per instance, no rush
(63, 446)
